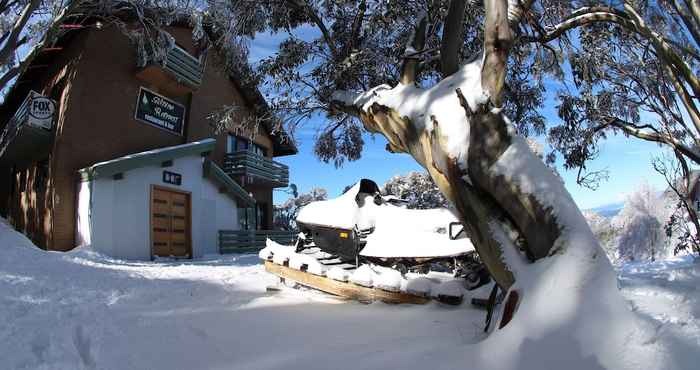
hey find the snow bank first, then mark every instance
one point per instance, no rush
(81, 310)
(571, 298)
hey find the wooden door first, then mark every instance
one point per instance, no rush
(170, 223)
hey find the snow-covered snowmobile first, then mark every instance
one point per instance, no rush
(362, 226)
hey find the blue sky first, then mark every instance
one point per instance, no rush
(627, 160)
(629, 163)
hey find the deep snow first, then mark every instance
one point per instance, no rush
(82, 310)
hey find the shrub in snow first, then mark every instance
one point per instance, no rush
(418, 188)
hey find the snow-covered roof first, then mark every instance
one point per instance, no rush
(143, 159)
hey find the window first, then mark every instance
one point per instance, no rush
(246, 218)
(237, 144)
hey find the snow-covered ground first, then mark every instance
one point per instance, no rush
(81, 310)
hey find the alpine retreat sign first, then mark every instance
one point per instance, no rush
(160, 111)
(41, 110)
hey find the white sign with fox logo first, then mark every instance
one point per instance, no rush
(41, 111)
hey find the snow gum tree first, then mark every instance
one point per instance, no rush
(417, 189)
(438, 79)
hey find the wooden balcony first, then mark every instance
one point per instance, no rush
(186, 68)
(179, 73)
(256, 169)
(22, 141)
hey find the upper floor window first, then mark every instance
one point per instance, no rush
(237, 143)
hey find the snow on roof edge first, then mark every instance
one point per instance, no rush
(142, 159)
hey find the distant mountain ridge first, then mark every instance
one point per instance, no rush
(608, 210)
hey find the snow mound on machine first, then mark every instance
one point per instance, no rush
(297, 261)
(418, 233)
(337, 273)
(344, 213)
(398, 232)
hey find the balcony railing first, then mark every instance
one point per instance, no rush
(186, 68)
(259, 168)
(247, 241)
(25, 139)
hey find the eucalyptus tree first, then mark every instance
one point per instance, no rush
(438, 80)
(634, 70)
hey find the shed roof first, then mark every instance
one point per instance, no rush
(143, 159)
(157, 156)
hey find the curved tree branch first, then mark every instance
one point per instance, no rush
(655, 136)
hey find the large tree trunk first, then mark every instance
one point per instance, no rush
(513, 207)
(483, 199)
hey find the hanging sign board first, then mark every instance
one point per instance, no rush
(40, 111)
(160, 111)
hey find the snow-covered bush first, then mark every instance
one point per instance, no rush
(286, 213)
(418, 188)
(640, 224)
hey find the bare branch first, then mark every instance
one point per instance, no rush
(11, 40)
(9, 75)
(582, 17)
(319, 23)
(498, 38)
(452, 38)
(692, 27)
(694, 7)
(409, 68)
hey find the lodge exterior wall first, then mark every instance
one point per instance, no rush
(97, 76)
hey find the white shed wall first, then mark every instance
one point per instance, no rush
(119, 210)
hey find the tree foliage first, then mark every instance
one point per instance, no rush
(286, 213)
(417, 188)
